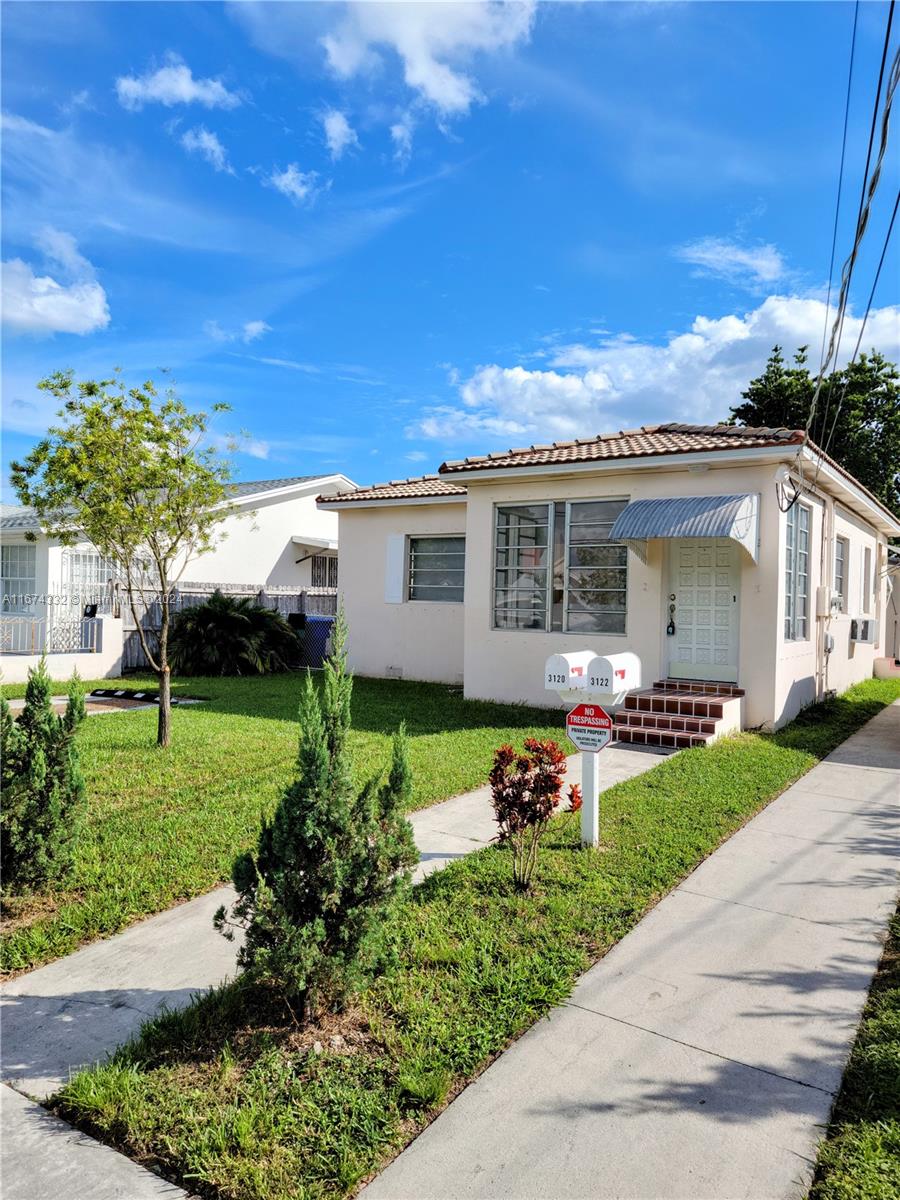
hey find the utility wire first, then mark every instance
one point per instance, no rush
(840, 186)
(887, 238)
(867, 193)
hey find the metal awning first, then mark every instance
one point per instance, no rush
(735, 517)
(314, 543)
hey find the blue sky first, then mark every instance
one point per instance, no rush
(392, 234)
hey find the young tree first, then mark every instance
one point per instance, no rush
(332, 863)
(43, 788)
(864, 436)
(129, 471)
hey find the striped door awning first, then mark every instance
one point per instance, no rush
(735, 517)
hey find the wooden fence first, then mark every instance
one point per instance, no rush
(311, 601)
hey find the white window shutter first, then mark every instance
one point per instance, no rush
(394, 563)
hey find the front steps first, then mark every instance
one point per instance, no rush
(679, 713)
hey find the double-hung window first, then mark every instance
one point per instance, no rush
(841, 562)
(555, 568)
(796, 574)
(437, 568)
(18, 572)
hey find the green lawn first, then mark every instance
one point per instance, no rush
(164, 826)
(860, 1160)
(231, 1099)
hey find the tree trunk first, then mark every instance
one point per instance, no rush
(164, 727)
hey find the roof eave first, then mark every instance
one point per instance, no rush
(854, 495)
(310, 485)
(332, 504)
(635, 462)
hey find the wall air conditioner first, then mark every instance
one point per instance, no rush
(864, 629)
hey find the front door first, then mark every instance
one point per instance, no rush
(704, 578)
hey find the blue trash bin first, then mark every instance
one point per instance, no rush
(316, 635)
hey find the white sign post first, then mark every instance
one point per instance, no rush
(579, 677)
(590, 727)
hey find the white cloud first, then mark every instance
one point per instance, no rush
(402, 137)
(747, 266)
(622, 382)
(339, 134)
(205, 143)
(433, 41)
(416, 456)
(40, 304)
(249, 332)
(253, 330)
(173, 84)
(299, 186)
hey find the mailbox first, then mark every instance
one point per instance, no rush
(613, 674)
(568, 672)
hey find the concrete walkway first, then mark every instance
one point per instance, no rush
(73, 1012)
(700, 1058)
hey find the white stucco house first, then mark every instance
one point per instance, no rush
(745, 568)
(275, 538)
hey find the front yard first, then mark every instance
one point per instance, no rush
(230, 1098)
(164, 826)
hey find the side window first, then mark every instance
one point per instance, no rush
(796, 574)
(437, 569)
(841, 563)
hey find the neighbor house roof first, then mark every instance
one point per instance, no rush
(260, 486)
(631, 443)
(418, 488)
(15, 517)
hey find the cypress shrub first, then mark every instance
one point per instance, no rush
(316, 899)
(43, 788)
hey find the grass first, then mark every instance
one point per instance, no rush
(232, 1100)
(860, 1159)
(163, 826)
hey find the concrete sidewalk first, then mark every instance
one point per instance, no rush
(700, 1058)
(73, 1012)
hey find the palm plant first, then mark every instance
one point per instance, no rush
(231, 635)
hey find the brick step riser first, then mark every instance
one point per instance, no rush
(660, 706)
(686, 685)
(659, 737)
(673, 724)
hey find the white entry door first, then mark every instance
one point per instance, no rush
(704, 577)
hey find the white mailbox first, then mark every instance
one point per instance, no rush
(568, 672)
(614, 674)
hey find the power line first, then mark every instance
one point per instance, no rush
(867, 193)
(840, 186)
(887, 238)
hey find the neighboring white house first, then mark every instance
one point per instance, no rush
(687, 545)
(277, 538)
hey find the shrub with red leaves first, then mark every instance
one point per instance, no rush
(525, 790)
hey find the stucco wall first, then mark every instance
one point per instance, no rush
(508, 665)
(850, 662)
(256, 548)
(412, 639)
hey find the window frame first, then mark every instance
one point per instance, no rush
(792, 622)
(867, 582)
(556, 615)
(408, 568)
(843, 544)
(17, 580)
